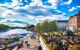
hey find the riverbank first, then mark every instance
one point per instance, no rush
(13, 39)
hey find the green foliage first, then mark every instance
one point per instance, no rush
(30, 28)
(51, 33)
(14, 27)
(52, 26)
(3, 27)
(6, 27)
(38, 27)
(46, 26)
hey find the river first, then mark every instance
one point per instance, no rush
(13, 31)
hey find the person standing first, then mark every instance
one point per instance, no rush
(39, 48)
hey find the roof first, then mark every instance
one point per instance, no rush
(62, 20)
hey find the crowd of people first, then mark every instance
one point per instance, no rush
(63, 42)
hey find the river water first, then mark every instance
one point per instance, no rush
(13, 31)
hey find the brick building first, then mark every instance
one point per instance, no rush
(74, 22)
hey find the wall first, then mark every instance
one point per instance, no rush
(44, 47)
(74, 22)
(61, 25)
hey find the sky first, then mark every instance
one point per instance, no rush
(25, 12)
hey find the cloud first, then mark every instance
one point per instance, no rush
(6, 13)
(17, 21)
(35, 3)
(14, 22)
(31, 15)
(15, 2)
(13, 14)
(78, 6)
(68, 2)
(72, 9)
(38, 19)
(41, 11)
(12, 4)
(53, 2)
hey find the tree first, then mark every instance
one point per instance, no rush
(30, 28)
(52, 26)
(4, 27)
(46, 26)
(38, 27)
(49, 26)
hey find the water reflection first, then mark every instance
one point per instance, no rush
(13, 31)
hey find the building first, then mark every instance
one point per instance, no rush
(61, 25)
(74, 22)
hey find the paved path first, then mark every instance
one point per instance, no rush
(34, 44)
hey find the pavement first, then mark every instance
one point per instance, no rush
(34, 44)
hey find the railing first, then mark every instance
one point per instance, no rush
(44, 44)
(44, 47)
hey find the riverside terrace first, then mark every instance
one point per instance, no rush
(61, 42)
